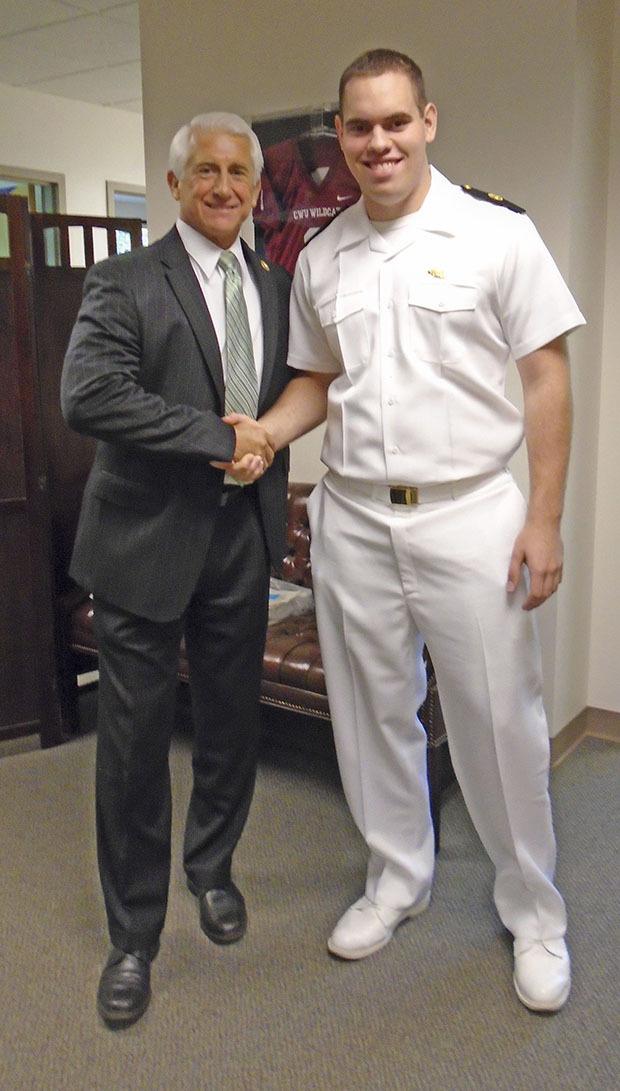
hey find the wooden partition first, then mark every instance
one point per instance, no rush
(57, 294)
(41, 283)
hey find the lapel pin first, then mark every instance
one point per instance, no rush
(264, 265)
(439, 273)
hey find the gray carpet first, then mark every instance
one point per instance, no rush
(435, 1009)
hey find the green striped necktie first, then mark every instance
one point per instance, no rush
(241, 382)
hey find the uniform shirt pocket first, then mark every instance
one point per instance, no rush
(440, 318)
(343, 321)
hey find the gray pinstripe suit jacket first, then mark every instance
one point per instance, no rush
(143, 375)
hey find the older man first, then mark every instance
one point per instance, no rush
(405, 314)
(170, 341)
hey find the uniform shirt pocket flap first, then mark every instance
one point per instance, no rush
(442, 295)
(340, 307)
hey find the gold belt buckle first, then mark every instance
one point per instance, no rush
(403, 494)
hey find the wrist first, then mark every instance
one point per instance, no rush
(271, 430)
(544, 515)
(545, 507)
(544, 526)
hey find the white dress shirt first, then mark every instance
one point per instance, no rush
(204, 256)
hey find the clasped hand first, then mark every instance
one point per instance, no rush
(253, 452)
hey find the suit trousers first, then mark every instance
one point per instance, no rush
(388, 579)
(224, 627)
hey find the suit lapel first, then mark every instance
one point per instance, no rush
(186, 288)
(265, 282)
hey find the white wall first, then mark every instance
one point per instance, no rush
(523, 97)
(504, 99)
(88, 144)
(604, 686)
(589, 163)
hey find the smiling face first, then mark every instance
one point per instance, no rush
(217, 190)
(383, 136)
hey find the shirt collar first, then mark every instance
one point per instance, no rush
(205, 253)
(438, 214)
(439, 210)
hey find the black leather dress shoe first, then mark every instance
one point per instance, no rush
(223, 917)
(124, 989)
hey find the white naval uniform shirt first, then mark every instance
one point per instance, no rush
(204, 256)
(420, 322)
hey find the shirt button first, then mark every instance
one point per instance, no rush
(390, 401)
(393, 450)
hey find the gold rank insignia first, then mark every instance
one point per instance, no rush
(493, 198)
(264, 265)
(439, 273)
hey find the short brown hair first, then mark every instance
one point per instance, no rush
(375, 62)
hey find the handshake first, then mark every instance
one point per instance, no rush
(254, 450)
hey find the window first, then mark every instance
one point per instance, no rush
(128, 202)
(45, 192)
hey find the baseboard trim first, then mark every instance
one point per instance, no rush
(569, 737)
(604, 724)
(21, 745)
(594, 723)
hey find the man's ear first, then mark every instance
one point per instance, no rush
(430, 121)
(339, 130)
(173, 184)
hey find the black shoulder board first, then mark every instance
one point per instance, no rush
(492, 198)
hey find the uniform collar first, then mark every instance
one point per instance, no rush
(438, 214)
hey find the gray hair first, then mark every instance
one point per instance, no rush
(182, 142)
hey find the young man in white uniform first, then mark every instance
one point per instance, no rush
(405, 314)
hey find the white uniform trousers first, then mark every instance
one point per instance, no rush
(388, 579)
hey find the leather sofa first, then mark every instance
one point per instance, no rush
(293, 676)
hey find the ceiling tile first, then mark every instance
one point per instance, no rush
(71, 47)
(105, 85)
(78, 7)
(133, 105)
(23, 63)
(125, 13)
(93, 38)
(15, 15)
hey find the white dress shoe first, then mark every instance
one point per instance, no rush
(366, 927)
(542, 973)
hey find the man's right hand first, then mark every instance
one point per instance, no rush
(251, 438)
